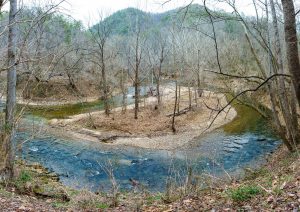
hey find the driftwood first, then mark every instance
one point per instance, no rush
(180, 112)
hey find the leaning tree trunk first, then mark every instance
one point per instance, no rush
(292, 43)
(7, 151)
(291, 124)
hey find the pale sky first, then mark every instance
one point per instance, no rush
(87, 10)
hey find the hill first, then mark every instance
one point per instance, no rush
(126, 21)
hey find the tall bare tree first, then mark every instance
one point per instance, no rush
(135, 58)
(100, 34)
(7, 150)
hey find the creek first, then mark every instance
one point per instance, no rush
(83, 165)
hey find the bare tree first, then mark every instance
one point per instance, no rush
(135, 56)
(100, 34)
(7, 150)
(157, 56)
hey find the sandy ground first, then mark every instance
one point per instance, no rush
(150, 130)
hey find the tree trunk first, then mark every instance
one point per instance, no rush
(124, 96)
(190, 97)
(136, 94)
(161, 60)
(199, 90)
(158, 92)
(196, 96)
(178, 97)
(292, 44)
(175, 107)
(292, 127)
(104, 84)
(7, 150)
(136, 78)
(158, 85)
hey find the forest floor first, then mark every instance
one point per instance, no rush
(273, 187)
(153, 128)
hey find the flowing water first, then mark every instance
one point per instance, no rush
(242, 143)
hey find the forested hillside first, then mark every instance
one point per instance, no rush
(125, 21)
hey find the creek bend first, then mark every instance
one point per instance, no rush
(240, 144)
